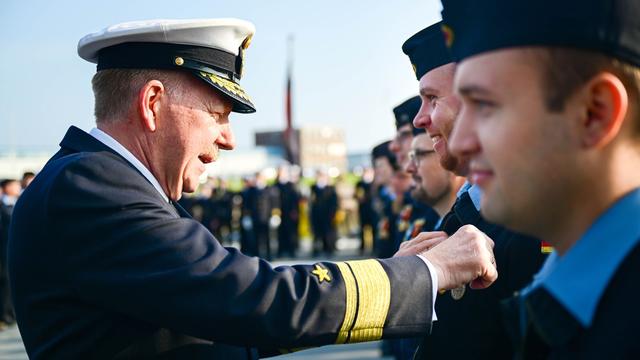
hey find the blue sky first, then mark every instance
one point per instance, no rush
(349, 69)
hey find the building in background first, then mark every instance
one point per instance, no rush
(319, 147)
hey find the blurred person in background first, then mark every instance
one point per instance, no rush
(435, 186)
(27, 178)
(11, 190)
(364, 194)
(384, 167)
(406, 209)
(323, 207)
(288, 202)
(220, 207)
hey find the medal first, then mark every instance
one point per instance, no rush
(458, 293)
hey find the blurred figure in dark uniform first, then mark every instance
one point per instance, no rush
(248, 240)
(436, 187)
(10, 192)
(288, 200)
(366, 214)
(256, 211)
(384, 167)
(220, 206)
(323, 205)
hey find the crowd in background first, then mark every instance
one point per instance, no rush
(287, 216)
(10, 190)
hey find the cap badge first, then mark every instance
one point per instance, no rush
(447, 31)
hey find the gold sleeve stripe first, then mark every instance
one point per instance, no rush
(351, 302)
(368, 297)
(374, 298)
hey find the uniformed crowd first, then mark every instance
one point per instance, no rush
(524, 127)
(266, 214)
(10, 190)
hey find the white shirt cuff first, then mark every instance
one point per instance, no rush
(434, 283)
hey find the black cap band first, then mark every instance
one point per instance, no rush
(610, 27)
(140, 55)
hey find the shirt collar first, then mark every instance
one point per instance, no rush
(475, 193)
(578, 279)
(112, 143)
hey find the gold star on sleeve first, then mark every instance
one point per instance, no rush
(321, 273)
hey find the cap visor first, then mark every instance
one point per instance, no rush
(240, 99)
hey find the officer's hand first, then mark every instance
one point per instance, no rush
(467, 256)
(421, 243)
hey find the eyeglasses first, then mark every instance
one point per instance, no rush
(416, 155)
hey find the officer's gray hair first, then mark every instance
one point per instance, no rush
(116, 90)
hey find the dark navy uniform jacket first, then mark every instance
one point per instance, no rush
(584, 305)
(103, 267)
(470, 322)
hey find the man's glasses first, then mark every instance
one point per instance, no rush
(416, 155)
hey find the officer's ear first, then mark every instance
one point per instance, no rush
(607, 106)
(150, 98)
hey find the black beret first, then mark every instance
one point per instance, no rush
(427, 50)
(611, 27)
(382, 150)
(406, 112)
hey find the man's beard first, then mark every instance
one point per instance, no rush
(449, 162)
(420, 194)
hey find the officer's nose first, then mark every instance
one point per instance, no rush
(226, 140)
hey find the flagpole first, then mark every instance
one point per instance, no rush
(289, 134)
